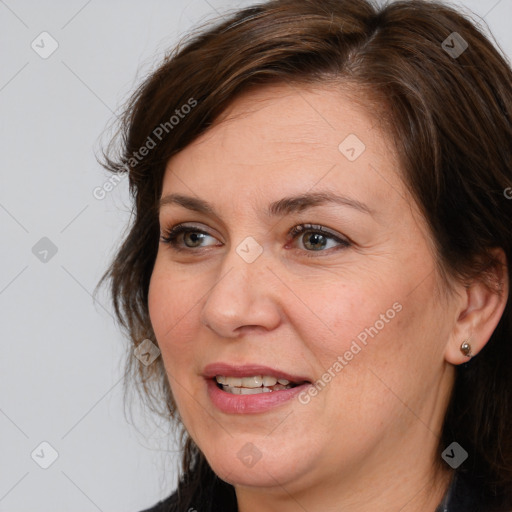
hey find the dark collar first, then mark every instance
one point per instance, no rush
(466, 494)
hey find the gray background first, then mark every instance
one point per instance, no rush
(61, 363)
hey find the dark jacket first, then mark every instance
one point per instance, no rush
(463, 495)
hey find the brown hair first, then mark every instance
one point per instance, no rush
(451, 119)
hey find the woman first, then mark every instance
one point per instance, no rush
(319, 250)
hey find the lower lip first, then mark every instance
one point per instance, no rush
(250, 404)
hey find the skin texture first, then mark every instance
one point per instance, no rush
(368, 440)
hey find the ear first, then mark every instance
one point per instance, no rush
(481, 308)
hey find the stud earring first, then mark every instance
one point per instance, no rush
(465, 348)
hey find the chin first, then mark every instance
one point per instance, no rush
(257, 476)
(267, 471)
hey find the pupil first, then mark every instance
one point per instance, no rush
(315, 237)
(195, 237)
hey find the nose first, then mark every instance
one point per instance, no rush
(242, 299)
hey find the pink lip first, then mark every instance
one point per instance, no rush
(248, 370)
(249, 404)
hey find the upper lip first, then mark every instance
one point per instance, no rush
(249, 370)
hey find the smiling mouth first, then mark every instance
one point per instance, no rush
(253, 385)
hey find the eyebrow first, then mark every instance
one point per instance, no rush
(282, 207)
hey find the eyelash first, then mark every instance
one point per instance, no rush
(170, 236)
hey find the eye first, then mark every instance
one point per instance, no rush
(314, 238)
(317, 238)
(188, 235)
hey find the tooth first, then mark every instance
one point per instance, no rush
(234, 381)
(252, 382)
(284, 382)
(250, 391)
(269, 381)
(253, 391)
(221, 379)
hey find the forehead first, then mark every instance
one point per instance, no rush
(292, 137)
(268, 118)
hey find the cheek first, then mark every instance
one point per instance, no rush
(391, 348)
(368, 332)
(171, 298)
(350, 316)
(172, 315)
(161, 304)
(174, 321)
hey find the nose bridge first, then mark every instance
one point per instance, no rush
(240, 297)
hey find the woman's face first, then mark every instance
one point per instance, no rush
(351, 314)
